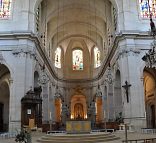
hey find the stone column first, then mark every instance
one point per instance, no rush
(22, 81)
(93, 114)
(64, 113)
(134, 110)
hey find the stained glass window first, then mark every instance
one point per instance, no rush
(58, 57)
(97, 61)
(147, 7)
(77, 59)
(5, 9)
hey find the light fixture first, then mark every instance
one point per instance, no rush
(43, 78)
(57, 90)
(98, 90)
(150, 57)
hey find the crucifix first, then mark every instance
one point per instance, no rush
(126, 87)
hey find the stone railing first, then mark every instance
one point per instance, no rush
(148, 131)
(8, 135)
(151, 140)
(129, 127)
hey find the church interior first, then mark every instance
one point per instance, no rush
(86, 61)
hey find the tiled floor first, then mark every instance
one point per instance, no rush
(134, 135)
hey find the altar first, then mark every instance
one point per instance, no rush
(76, 127)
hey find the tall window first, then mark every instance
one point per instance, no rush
(97, 61)
(115, 18)
(77, 59)
(147, 7)
(37, 16)
(58, 57)
(5, 9)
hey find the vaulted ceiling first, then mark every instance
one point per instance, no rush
(79, 21)
(90, 19)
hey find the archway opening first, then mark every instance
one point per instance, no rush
(78, 111)
(149, 92)
(78, 107)
(4, 98)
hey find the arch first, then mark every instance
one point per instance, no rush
(78, 107)
(8, 67)
(52, 13)
(101, 18)
(68, 37)
(93, 33)
(4, 98)
(68, 65)
(150, 95)
(78, 111)
(4, 74)
(114, 2)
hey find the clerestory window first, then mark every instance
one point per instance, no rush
(77, 57)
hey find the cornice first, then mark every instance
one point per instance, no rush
(33, 37)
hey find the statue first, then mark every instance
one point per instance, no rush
(153, 30)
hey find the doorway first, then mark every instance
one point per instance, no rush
(149, 93)
(153, 116)
(78, 107)
(78, 111)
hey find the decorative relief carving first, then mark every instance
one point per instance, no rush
(103, 83)
(127, 52)
(24, 51)
(78, 90)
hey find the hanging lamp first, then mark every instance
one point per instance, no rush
(57, 90)
(43, 77)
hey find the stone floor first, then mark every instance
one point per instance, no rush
(134, 135)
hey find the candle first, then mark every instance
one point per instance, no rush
(50, 115)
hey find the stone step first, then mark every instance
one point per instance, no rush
(91, 135)
(78, 141)
(78, 138)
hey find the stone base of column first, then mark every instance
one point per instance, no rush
(136, 124)
(14, 126)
